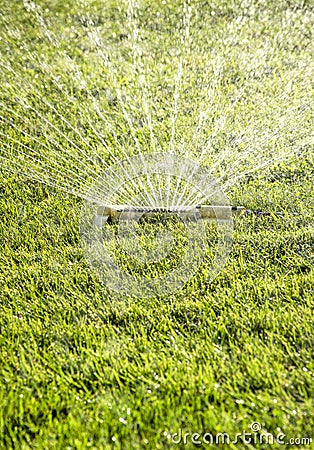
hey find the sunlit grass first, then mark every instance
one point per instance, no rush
(83, 367)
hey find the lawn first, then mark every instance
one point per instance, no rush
(83, 367)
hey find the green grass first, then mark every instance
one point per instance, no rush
(83, 367)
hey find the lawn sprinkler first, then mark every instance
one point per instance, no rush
(115, 214)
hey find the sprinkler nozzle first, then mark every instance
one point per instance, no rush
(126, 212)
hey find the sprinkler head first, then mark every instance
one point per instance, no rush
(126, 212)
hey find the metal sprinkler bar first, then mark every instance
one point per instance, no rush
(124, 213)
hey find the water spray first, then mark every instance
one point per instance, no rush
(63, 132)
